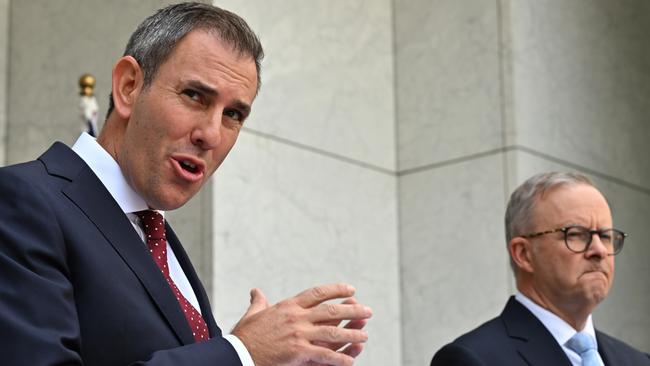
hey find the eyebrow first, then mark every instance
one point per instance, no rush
(208, 90)
(202, 87)
(243, 107)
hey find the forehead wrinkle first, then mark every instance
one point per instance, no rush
(217, 65)
(583, 210)
(231, 73)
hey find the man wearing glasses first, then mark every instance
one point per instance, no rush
(562, 246)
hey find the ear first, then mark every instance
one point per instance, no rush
(521, 252)
(127, 85)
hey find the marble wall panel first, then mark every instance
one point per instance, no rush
(286, 219)
(581, 72)
(327, 79)
(454, 263)
(624, 313)
(4, 73)
(448, 82)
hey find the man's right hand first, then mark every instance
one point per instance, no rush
(303, 330)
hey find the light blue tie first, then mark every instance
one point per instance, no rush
(585, 345)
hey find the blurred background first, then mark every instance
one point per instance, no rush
(382, 148)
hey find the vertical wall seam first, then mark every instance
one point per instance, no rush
(504, 42)
(398, 201)
(503, 94)
(4, 133)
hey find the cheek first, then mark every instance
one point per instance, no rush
(566, 269)
(611, 265)
(220, 153)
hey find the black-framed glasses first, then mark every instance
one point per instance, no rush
(578, 238)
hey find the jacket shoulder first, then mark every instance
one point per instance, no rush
(56, 166)
(490, 331)
(478, 347)
(617, 352)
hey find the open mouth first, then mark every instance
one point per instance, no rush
(188, 166)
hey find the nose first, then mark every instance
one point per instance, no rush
(597, 248)
(207, 134)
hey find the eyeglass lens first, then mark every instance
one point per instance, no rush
(579, 238)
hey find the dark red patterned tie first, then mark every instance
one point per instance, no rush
(154, 230)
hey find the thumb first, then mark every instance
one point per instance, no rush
(258, 302)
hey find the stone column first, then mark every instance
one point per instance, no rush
(308, 194)
(581, 87)
(451, 153)
(488, 94)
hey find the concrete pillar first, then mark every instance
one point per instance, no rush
(308, 194)
(488, 94)
(581, 87)
(451, 170)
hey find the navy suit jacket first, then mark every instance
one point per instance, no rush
(517, 337)
(78, 286)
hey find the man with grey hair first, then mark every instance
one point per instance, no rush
(562, 245)
(92, 274)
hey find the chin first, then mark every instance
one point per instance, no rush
(168, 202)
(174, 204)
(597, 295)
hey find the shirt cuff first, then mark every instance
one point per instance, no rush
(241, 350)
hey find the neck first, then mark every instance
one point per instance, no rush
(575, 315)
(108, 138)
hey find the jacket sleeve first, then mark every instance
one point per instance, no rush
(38, 322)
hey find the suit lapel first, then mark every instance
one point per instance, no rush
(189, 271)
(531, 338)
(607, 353)
(88, 193)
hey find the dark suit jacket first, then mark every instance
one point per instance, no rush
(77, 285)
(517, 337)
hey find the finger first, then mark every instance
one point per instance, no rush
(336, 323)
(356, 324)
(335, 335)
(258, 302)
(335, 312)
(324, 356)
(320, 294)
(353, 324)
(353, 350)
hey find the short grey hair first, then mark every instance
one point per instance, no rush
(156, 37)
(519, 218)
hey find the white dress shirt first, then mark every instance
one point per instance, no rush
(110, 174)
(560, 329)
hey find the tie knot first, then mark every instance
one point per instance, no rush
(154, 224)
(581, 342)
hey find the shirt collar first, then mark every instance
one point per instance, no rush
(560, 329)
(109, 173)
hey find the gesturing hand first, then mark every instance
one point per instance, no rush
(303, 330)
